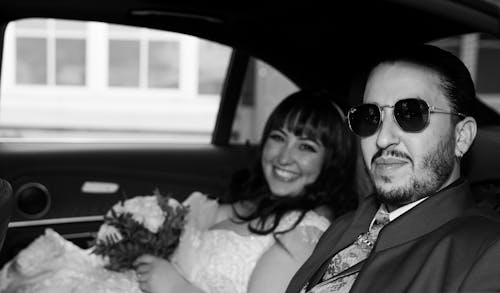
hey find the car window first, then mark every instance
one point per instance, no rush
(71, 80)
(264, 88)
(481, 54)
(89, 81)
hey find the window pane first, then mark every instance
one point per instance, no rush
(31, 61)
(65, 25)
(451, 45)
(481, 54)
(115, 28)
(123, 63)
(133, 85)
(488, 65)
(264, 88)
(32, 23)
(163, 64)
(70, 62)
(214, 59)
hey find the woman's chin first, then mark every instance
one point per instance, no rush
(284, 191)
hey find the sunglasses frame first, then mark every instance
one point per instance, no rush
(430, 110)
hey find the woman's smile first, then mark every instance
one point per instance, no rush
(291, 162)
(285, 175)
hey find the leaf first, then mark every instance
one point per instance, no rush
(137, 240)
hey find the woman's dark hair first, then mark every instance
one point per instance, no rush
(314, 115)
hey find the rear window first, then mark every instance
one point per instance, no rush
(75, 81)
(481, 55)
(70, 80)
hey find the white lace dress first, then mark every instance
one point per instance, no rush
(222, 261)
(216, 261)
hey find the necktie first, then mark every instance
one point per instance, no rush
(351, 255)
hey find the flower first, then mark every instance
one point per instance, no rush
(144, 209)
(140, 225)
(109, 232)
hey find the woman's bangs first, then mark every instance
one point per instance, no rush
(308, 125)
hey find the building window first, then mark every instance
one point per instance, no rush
(31, 60)
(90, 80)
(70, 62)
(50, 52)
(124, 63)
(144, 58)
(163, 64)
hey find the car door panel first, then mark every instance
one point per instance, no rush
(113, 172)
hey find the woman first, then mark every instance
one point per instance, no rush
(253, 242)
(276, 212)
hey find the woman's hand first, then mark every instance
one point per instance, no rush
(156, 275)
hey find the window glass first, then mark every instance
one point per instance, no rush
(211, 72)
(264, 88)
(69, 25)
(123, 63)
(65, 80)
(31, 60)
(481, 55)
(488, 81)
(70, 62)
(34, 23)
(163, 64)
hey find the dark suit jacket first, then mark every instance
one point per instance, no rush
(444, 244)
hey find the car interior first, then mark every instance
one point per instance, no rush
(74, 139)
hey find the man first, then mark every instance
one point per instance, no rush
(421, 231)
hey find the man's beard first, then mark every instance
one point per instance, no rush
(437, 167)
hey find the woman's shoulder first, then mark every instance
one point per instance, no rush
(205, 211)
(307, 231)
(313, 218)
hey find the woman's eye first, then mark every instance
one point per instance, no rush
(276, 137)
(307, 147)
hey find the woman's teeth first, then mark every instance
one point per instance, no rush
(285, 175)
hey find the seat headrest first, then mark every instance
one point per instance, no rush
(482, 161)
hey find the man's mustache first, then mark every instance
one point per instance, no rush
(391, 153)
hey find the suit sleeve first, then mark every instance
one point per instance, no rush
(484, 276)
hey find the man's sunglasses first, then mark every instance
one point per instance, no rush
(412, 115)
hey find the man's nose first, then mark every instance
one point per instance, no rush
(388, 133)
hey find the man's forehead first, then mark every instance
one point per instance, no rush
(389, 83)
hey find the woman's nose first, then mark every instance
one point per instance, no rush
(285, 155)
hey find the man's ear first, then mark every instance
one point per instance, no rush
(465, 132)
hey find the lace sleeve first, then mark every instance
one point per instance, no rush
(202, 211)
(309, 230)
(201, 216)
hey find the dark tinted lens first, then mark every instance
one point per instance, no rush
(412, 115)
(364, 119)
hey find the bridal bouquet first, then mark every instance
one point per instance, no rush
(137, 226)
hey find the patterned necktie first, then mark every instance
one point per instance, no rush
(350, 256)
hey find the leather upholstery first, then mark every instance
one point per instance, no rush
(6, 208)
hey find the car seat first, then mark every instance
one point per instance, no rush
(481, 166)
(6, 207)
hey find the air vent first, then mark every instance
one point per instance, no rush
(33, 200)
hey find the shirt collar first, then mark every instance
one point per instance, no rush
(399, 211)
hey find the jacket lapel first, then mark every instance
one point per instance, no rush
(426, 217)
(422, 219)
(341, 239)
